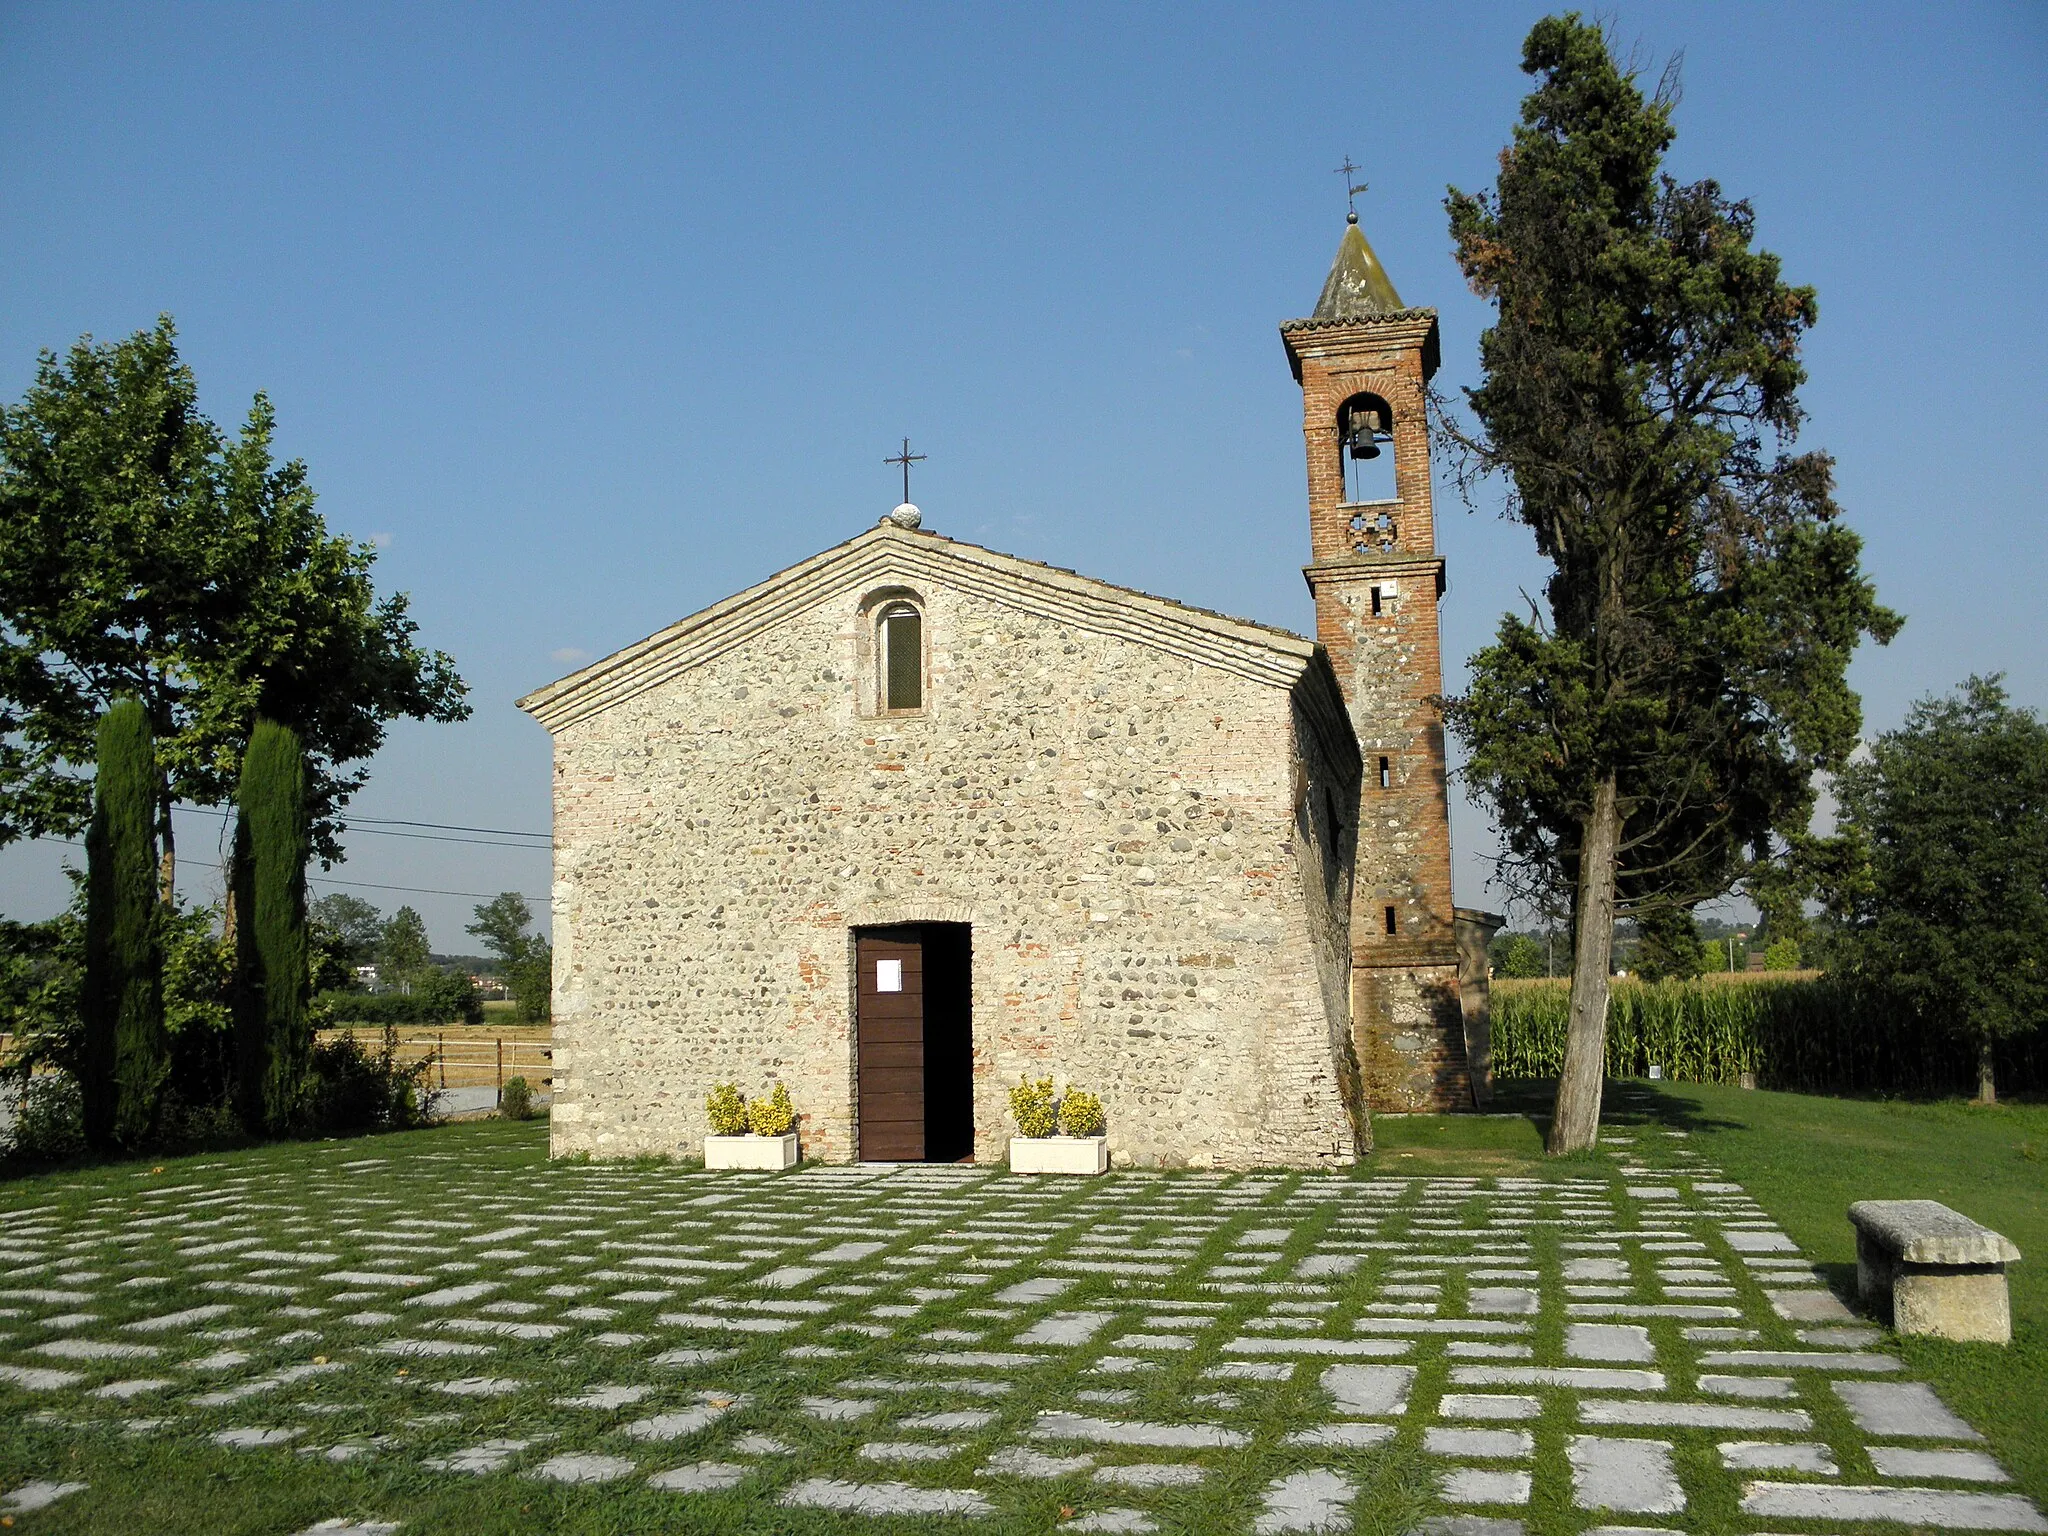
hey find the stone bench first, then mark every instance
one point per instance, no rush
(1927, 1269)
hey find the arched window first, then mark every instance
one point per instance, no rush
(1365, 441)
(899, 658)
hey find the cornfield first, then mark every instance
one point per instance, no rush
(1823, 1036)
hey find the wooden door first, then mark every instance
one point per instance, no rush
(890, 1045)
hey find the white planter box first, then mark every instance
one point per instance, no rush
(771, 1152)
(1059, 1154)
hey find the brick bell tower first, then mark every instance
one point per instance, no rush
(1363, 361)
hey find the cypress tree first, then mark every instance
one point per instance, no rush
(127, 1051)
(273, 1041)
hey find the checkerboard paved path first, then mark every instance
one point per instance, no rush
(1622, 1351)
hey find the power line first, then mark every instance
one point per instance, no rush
(366, 823)
(429, 837)
(442, 826)
(368, 885)
(421, 890)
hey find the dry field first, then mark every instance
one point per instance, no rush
(470, 1055)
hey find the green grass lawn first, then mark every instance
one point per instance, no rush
(1803, 1159)
(1806, 1160)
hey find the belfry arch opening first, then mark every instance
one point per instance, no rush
(1365, 447)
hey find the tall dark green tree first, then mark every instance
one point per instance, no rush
(127, 1051)
(145, 553)
(273, 1028)
(1943, 893)
(1668, 945)
(1651, 738)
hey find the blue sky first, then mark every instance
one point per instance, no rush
(593, 315)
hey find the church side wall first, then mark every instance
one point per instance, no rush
(1326, 840)
(1117, 824)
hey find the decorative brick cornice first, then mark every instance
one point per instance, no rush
(1363, 335)
(1400, 954)
(1347, 570)
(887, 554)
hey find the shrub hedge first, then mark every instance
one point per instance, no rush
(1820, 1036)
(427, 1004)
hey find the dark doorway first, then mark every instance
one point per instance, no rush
(914, 1043)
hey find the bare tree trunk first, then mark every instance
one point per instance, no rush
(1987, 1089)
(1575, 1118)
(167, 862)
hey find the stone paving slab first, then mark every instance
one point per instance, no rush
(937, 1343)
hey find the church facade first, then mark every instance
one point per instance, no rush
(913, 820)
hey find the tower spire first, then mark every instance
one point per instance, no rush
(1358, 286)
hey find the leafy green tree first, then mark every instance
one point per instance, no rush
(1652, 737)
(273, 1033)
(402, 949)
(345, 932)
(1668, 946)
(127, 1052)
(42, 971)
(199, 992)
(501, 923)
(533, 982)
(1781, 955)
(528, 958)
(1517, 955)
(447, 995)
(1944, 898)
(352, 927)
(145, 554)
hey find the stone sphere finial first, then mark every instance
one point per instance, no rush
(904, 516)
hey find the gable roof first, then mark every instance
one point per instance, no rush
(1258, 652)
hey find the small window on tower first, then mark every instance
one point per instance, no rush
(1391, 925)
(1386, 774)
(901, 637)
(1375, 602)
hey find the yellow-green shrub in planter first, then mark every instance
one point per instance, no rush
(726, 1111)
(1079, 1149)
(1080, 1113)
(1031, 1105)
(771, 1120)
(772, 1116)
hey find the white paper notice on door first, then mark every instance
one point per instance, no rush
(888, 975)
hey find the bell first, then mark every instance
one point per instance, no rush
(1361, 434)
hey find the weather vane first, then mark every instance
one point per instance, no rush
(1351, 189)
(906, 458)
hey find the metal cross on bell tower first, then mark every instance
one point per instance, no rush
(1351, 188)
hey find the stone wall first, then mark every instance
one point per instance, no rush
(1119, 823)
(1326, 855)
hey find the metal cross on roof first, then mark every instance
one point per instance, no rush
(1351, 190)
(906, 458)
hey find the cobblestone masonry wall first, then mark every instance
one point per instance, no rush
(1118, 824)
